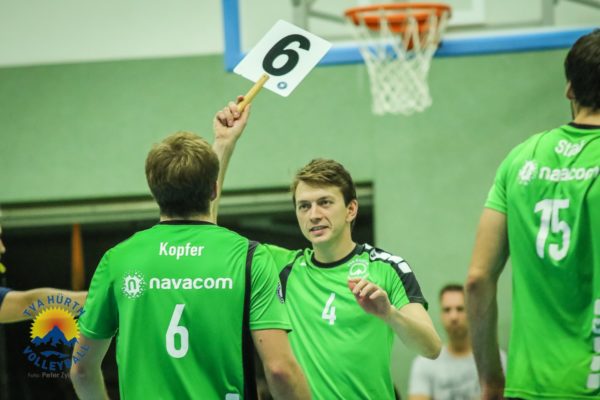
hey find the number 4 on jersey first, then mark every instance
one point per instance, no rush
(329, 310)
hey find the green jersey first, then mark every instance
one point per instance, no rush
(344, 351)
(182, 298)
(548, 189)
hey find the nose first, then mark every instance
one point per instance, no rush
(453, 314)
(314, 212)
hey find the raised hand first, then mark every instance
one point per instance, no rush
(229, 122)
(371, 297)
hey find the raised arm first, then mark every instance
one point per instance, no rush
(488, 260)
(411, 323)
(15, 305)
(284, 376)
(228, 126)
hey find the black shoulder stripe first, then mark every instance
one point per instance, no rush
(248, 351)
(411, 287)
(285, 273)
(404, 272)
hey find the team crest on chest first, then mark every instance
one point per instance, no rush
(358, 268)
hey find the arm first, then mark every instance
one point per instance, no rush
(284, 376)
(86, 374)
(411, 323)
(15, 304)
(228, 126)
(488, 260)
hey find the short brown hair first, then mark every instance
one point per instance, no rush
(181, 172)
(452, 287)
(323, 172)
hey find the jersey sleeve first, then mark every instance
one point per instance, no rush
(3, 292)
(420, 382)
(267, 309)
(100, 319)
(404, 287)
(497, 195)
(281, 256)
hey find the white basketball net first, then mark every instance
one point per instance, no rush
(398, 71)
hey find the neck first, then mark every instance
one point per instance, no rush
(332, 252)
(460, 347)
(585, 115)
(196, 217)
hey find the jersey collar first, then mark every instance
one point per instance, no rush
(184, 222)
(357, 250)
(583, 126)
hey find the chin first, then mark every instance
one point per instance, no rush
(315, 240)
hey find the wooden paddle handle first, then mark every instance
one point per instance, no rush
(253, 92)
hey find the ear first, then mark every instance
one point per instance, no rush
(569, 92)
(215, 190)
(351, 210)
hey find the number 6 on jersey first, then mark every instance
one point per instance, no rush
(181, 331)
(287, 53)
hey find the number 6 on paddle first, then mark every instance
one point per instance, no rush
(286, 54)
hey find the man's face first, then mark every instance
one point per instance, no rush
(322, 215)
(2, 248)
(454, 316)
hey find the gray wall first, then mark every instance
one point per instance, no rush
(82, 131)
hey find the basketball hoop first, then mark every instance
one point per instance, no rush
(397, 42)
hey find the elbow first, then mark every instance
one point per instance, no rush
(474, 284)
(281, 372)
(79, 373)
(434, 349)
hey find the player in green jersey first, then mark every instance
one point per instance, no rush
(545, 207)
(346, 300)
(187, 298)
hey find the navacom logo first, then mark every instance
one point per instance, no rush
(530, 171)
(134, 284)
(527, 172)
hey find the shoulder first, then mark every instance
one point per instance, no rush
(3, 292)
(527, 147)
(377, 255)
(284, 258)
(422, 366)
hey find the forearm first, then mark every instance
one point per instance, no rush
(89, 385)
(224, 150)
(489, 257)
(17, 305)
(482, 310)
(415, 329)
(43, 293)
(288, 384)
